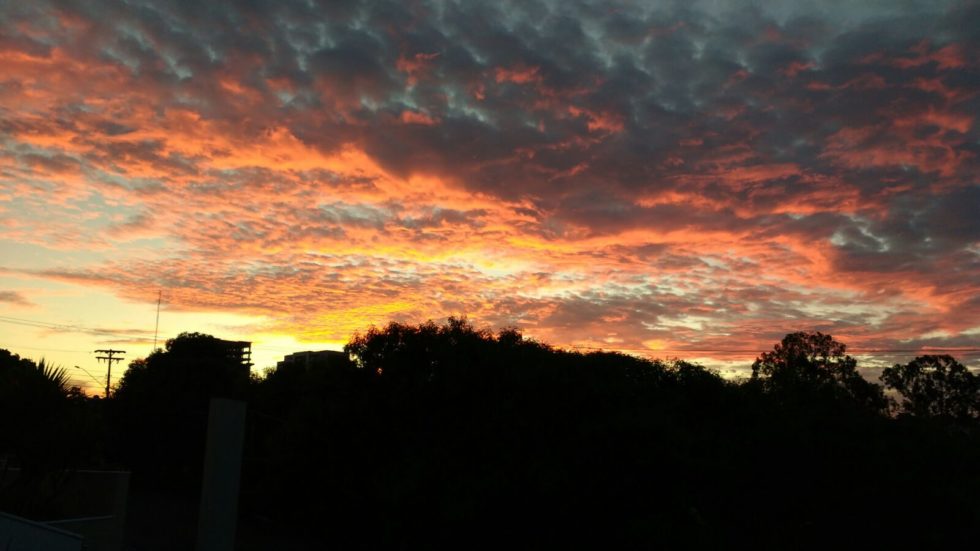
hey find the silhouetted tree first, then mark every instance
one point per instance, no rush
(935, 386)
(432, 433)
(810, 361)
(34, 405)
(160, 407)
(46, 429)
(442, 430)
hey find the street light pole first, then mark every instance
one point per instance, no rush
(93, 377)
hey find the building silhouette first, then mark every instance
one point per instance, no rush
(313, 359)
(238, 351)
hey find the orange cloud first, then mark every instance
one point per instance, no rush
(415, 117)
(517, 75)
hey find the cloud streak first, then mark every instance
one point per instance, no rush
(15, 298)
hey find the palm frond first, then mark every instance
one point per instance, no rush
(56, 375)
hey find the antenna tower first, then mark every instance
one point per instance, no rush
(156, 328)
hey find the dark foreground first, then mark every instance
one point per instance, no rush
(447, 437)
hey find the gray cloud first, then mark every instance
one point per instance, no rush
(15, 298)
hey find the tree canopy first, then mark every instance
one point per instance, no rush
(420, 436)
(935, 386)
(161, 404)
(806, 362)
(46, 429)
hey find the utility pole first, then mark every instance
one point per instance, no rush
(110, 356)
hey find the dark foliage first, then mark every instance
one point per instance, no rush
(935, 386)
(445, 435)
(448, 436)
(46, 431)
(810, 367)
(160, 408)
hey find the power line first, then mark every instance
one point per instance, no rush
(31, 323)
(923, 349)
(855, 350)
(43, 349)
(72, 328)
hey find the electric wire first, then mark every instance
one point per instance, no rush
(871, 351)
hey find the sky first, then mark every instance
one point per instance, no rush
(668, 179)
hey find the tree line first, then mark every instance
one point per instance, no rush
(446, 435)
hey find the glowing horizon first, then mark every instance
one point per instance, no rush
(626, 176)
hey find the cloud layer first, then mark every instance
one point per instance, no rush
(672, 177)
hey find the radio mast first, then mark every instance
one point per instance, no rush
(156, 328)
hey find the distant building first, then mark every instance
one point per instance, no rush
(311, 358)
(239, 352)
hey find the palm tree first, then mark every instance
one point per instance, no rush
(56, 376)
(39, 432)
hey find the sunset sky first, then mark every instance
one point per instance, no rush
(691, 179)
